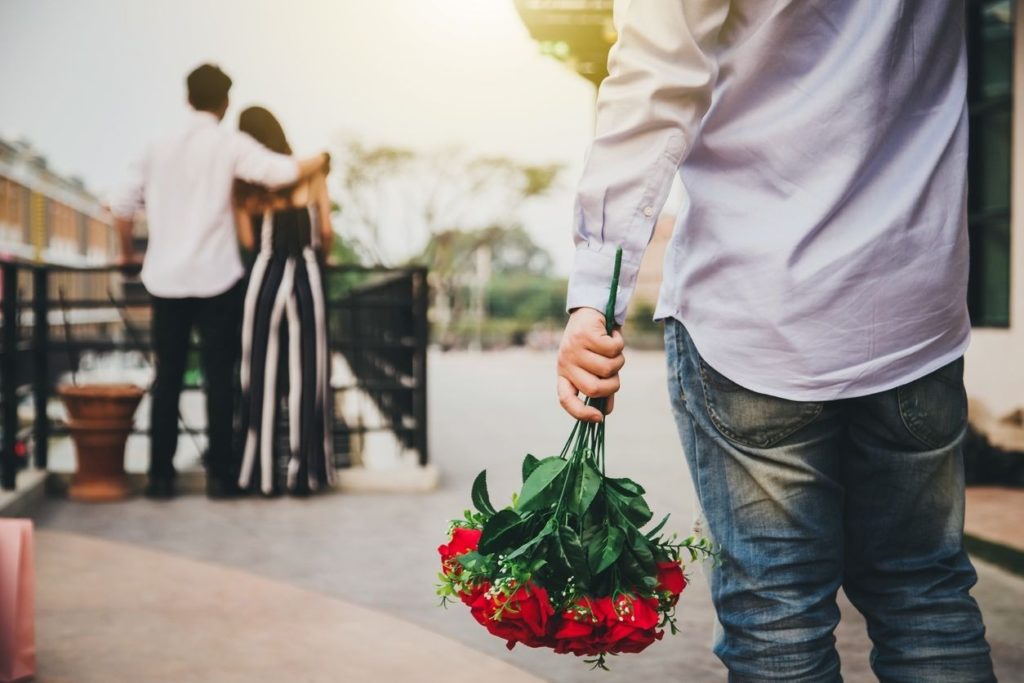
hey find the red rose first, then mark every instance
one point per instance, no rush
(521, 618)
(579, 630)
(631, 623)
(462, 541)
(671, 580)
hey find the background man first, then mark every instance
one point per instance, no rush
(192, 266)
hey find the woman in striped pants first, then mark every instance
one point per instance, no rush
(285, 369)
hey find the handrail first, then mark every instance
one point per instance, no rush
(378, 325)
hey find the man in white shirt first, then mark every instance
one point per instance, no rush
(192, 268)
(815, 303)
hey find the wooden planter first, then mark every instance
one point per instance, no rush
(100, 417)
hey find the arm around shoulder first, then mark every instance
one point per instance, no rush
(322, 198)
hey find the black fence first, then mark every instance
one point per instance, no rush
(377, 317)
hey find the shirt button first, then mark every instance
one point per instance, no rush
(648, 211)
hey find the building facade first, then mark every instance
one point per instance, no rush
(995, 359)
(48, 217)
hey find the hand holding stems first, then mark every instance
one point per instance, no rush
(590, 357)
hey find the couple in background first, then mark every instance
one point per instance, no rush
(204, 189)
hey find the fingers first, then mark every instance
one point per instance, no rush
(606, 345)
(589, 383)
(589, 361)
(598, 365)
(570, 401)
(593, 337)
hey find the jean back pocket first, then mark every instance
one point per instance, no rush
(748, 417)
(934, 407)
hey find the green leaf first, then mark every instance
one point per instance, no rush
(630, 570)
(529, 465)
(571, 548)
(481, 500)
(606, 551)
(543, 485)
(661, 525)
(627, 488)
(633, 509)
(548, 529)
(558, 569)
(641, 549)
(473, 561)
(501, 532)
(585, 486)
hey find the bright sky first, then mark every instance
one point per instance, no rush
(90, 82)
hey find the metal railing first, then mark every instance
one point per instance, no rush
(377, 317)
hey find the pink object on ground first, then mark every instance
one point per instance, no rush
(17, 601)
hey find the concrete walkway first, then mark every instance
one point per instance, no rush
(116, 612)
(378, 552)
(994, 515)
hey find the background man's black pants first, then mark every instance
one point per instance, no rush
(218, 320)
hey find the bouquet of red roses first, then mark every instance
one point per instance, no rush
(568, 565)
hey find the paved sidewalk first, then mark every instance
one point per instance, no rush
(487, 411)
(118, 612)
(994, 514)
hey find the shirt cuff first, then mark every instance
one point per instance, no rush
(591, 278)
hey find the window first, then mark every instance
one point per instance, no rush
(990, 102)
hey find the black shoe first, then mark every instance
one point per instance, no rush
(222, 489)
(160, 488)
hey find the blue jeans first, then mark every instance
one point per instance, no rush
(804, 497)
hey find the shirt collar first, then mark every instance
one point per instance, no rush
(205, 118)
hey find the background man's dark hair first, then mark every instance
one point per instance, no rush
(208, 88)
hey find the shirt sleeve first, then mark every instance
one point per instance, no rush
(128, 198)
(662, 71)
(256, 164)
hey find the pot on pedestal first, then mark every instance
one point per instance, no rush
(100, 418)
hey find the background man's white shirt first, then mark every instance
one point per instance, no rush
(184, 183)
(822, 250)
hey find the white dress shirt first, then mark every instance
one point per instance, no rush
(822, 249)
(184, 183)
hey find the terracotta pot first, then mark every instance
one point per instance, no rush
(100, 401)
(102, 417)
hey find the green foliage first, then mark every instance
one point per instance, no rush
(575, 527)
(343, 253)
(481, 499)
(641, 318)
(544, 484)
(530, 463)
(394, 200)
(527, 297)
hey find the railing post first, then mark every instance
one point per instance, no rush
(8, 376)
(421, 299)
(41, 363)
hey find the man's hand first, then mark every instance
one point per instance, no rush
(589, 362)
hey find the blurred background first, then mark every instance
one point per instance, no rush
(457, 130)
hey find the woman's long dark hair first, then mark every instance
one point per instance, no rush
(265, 129)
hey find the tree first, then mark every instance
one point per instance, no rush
(394, 200)
(497, 272)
